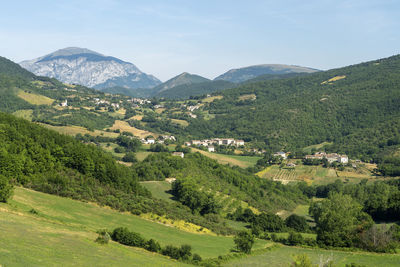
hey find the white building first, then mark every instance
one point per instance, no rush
(178, 154)
(280, 154)
(64, 103)
(211, 149)
(239, 142)
(150, 141)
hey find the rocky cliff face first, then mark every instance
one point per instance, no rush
(89, 68)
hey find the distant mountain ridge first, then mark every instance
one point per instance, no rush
(89, 68)
(181, 79)
(243, 74)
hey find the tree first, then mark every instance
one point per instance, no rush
(339, 220)
(268, 222)
(129, 157)
(297, 223)
(103, 238)
(6, 189)
(244, 241)
(302, 261)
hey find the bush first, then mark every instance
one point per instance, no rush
(6, 189)
(103, 238)
(129, 157)
(295, 239)
(297, 223)
(125, 237)
(244, 241)
(153, 246)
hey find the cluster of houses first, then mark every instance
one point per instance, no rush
(209, 143)
(160, 140)
(139, 101)
(193, 108)
(332, 157)
(103, 102)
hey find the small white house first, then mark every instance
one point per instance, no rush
(64, 103)
(240, 142)
(178, 154)
(343, 159)
(280, 154)
(150, 140)
(211, 149)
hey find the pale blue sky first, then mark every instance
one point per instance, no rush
(165, 38)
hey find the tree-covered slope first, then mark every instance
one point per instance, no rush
(337, 105)
(185, 91)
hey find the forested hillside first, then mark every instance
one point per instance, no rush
(356, 107)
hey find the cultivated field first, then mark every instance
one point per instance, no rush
(315, 174)
(35, 99)
(123, 126)
(241, 161)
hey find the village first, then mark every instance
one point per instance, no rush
(211, 143)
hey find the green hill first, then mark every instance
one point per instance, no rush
(354, 107)
(185, 91)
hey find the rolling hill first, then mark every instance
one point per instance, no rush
(355, 107)
(246, 73)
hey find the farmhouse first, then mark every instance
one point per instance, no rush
(280, 154)
(64, 103)
(150, 141)
(332, 157)
(239, 142)
(178, 154)
(211, 149)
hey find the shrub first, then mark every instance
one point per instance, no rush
(103, 238)
(297, 223)
(244, 241)
(153, 246)
(125, 237)
(6, 189)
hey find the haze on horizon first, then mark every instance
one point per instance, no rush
(207, 37)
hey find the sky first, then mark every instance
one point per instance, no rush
(166, 38)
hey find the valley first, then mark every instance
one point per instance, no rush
(264, 158)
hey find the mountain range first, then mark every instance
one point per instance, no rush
(82, 66)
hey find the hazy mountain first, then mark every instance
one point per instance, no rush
(185, 91)
(89, 68)
(183, 78)
(247, 73)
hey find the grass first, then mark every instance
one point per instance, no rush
(59, 215)
(123, 126)
(317, 147)
(180, 122)
(283, 256)
(141, 155)
(248, 97)
(159, 189)
(74, 130)
(241, 161)
(211, 98)
(61, 234)
(315, 174)
(35, 99)
(24, 113)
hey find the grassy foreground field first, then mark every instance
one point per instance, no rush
(63, 233)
